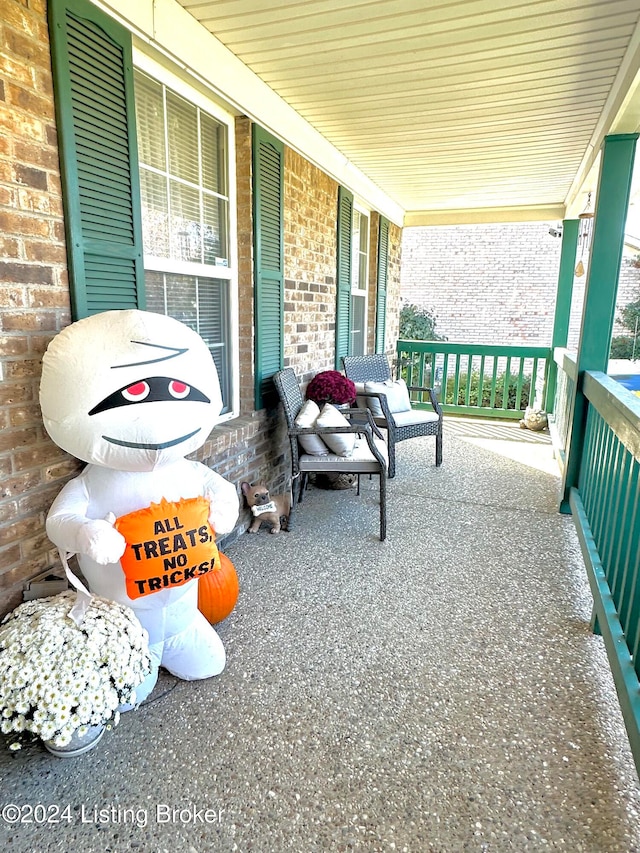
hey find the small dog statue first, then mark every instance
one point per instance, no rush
(274, 510)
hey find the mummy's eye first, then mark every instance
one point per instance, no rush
(178, 389)
(136, 393)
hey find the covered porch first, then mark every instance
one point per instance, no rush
(441, 691)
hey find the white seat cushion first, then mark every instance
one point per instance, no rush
(361, 461)
(415, 416)
(341, 443)
(307, 417)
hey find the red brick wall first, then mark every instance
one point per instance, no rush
(495, 283)
(484, 283)
(396, 259)
(310, 216)
(33, 290)
(35, 302)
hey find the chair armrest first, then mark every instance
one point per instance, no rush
(432, 397)
(363, 416)
(356, 428)
(384, 405)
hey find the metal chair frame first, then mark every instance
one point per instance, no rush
(375, 368)
(303, 464)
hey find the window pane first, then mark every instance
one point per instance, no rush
(364, 233)
(182, 122)
(150, 122)
(154, 289)
(203, 305)
(181, 298)
(213, 304)
(215, 230)
(358, 306)
(213, 155)
(359, 250)
(355, 251)
(186, 241)
(362, 271)
(155, 217)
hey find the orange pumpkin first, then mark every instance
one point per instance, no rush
(218, 591)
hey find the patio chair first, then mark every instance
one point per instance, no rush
(400, 425)
(369, 455)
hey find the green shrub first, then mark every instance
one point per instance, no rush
(418, 324)
(485, 394)
(622, 347)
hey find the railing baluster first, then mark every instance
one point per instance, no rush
(591, 439)
(456, 381)
(494, 382)
(602, 474)
(518, 405)
(445, 376)
(533, 398)
(481, 382)
(467, 395)
(629, 608)
(421, 368)
(622, 555)
(611, 516)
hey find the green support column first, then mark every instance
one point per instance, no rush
(612, 203)
(563, 302)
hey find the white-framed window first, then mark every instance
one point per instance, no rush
(187, 166)
(359, 280)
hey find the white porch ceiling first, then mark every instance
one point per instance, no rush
(459, 110)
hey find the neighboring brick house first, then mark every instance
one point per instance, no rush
(192, 234)
(507, 271)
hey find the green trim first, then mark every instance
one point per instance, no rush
(566, 360)
(474, 411)
(564, 294)
(381, 293)
(615, 405)
(343, 275)
(565, 283)
(268, 266)
(95, 114)
(472, 349)
(453, 369)
(612, 204)
(606, 618)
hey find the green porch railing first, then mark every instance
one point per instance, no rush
(566, 366)
(473, 379)
(606, 511)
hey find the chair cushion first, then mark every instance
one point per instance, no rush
(415, 416)
(361, 400)
(341, 443)
(396, 393)
(361, 461)
(307, 417)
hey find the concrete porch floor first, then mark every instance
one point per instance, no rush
(438, 692)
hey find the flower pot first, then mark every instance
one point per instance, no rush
(79, 744)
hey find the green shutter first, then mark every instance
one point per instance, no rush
(383, 269)
(93, 86)
(268, 236)
(343, 274)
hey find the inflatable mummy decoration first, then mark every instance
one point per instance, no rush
(131, 393)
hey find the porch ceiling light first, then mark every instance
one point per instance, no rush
(585, 229)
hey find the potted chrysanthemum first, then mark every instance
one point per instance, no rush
(331, 386)
(63, 682)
